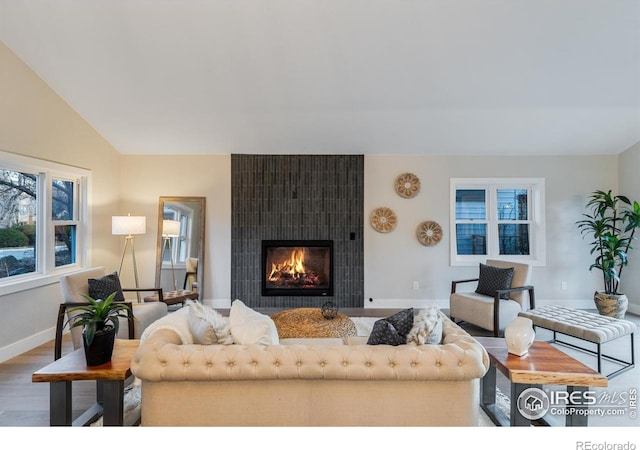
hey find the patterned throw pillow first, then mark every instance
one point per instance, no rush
(207, 325)
(101, 288)
(492, 279)
(392, 330)
(427, 327)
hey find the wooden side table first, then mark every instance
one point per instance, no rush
(542, 365)
(109, 377)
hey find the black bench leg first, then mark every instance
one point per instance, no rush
(633, 353)
(599, 357)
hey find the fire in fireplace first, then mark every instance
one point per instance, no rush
(297, 268)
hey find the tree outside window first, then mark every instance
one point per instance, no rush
(18, 214)
(40, 220)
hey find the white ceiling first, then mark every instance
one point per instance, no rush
(341, 76)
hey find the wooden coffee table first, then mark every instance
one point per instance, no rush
(542, 365)
(109, 377)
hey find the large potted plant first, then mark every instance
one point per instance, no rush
(611, 224)
(100, 319)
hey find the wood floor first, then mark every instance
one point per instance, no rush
(26, 404)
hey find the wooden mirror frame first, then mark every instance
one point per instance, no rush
(200, 239)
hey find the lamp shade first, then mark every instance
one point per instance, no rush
(128, 225)
(171, 228)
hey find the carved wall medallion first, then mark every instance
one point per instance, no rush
(407, 185)
(383, 219)
(429, 233)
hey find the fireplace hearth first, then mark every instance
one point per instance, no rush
(297, 268)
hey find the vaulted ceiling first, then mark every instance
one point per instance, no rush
(469, 77)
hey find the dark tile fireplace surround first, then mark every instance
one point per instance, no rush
(317, 199)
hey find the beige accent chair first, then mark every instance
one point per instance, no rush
(494, 313)
(191, 275)
(76, 284)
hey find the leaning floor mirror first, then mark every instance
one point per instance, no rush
(180, 245)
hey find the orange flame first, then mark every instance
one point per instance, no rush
(294, 266)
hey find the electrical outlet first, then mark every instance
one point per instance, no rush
(416, 285)
(563, 286)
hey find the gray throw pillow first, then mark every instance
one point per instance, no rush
(101, 288)
(492, 279)
(392, 330)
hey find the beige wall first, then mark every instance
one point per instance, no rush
(146, 178)
(630, 186)
(395, 260)
(35, 122)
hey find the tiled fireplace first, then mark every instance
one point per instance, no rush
(298, 207)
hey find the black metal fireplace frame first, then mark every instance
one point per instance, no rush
(293, 292)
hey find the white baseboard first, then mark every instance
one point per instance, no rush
(444, 303)
(577, 304)
(635, 309)
(385, 303)
(20, 347)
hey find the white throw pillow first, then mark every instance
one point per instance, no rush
(177, 322)
(250, 327)
(201, 330)
(427, 327)
(207, 325)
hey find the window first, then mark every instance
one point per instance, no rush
(43, 219)
(497, 219)
(65, 220)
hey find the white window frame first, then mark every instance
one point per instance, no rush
(46, 272)
(536, 215)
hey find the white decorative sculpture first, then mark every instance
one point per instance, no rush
(519, 335)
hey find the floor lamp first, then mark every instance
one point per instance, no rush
(170, 229)
(128, 226)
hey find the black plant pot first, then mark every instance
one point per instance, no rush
(101, 349)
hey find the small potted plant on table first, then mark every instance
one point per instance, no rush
(100, 319)
(612, 224)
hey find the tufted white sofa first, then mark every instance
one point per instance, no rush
(310, 382)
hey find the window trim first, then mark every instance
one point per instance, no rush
(46, 273)
(536, 211)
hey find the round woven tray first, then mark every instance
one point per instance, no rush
(309, 323)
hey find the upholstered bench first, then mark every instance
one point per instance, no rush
(588, 326)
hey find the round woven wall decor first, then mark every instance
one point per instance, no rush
(407, 185)
(429, 233)
(383, 219)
